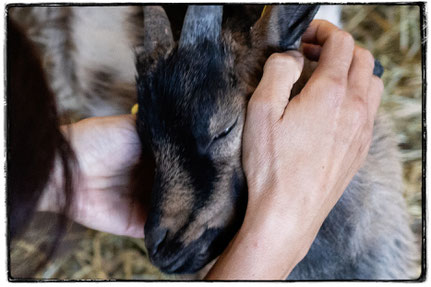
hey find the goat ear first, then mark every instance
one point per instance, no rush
(201, 23)
(281, 26)
(158, 39)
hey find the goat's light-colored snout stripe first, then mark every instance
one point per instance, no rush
(220, 208)
(217, 213)
(177, 191)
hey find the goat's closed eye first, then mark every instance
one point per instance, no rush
(226, 131)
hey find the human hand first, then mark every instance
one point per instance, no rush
(107, 148)
(299, 156)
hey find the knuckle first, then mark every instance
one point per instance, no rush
(344, 37)
(284, 64)
(337, 83)
(364, 56)
(281, 60)
(275, 58)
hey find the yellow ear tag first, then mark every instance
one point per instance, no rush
(263, 11)
(134, 109)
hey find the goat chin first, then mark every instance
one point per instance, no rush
(200, 275)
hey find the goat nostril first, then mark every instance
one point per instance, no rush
(154, 239)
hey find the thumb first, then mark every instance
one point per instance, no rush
(280, 73)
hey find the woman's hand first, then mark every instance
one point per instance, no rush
(299, 156)
(107, 148)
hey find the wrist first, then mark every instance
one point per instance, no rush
(267, 247)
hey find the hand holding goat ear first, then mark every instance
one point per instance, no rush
(342, 92)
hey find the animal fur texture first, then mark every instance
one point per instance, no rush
(88, 54)
(193, 85)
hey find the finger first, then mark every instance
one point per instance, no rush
(337, 50)
(375, 92)
(311, 51)
(360, 73)
(280, 72)
(318, 32)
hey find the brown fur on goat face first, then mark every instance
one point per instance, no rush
(192, 99)
(199, 186)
